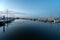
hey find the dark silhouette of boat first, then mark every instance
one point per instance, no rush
(6, 20)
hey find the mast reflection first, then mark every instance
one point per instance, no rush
(4, 28)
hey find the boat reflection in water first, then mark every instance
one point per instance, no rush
(5, 21)
(4, 28)
(4, 25)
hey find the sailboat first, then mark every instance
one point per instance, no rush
(7, 19)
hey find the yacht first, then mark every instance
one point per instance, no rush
(4, 20)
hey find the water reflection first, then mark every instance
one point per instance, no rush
(5, 25)
(50, 24)
(26, 29)
(4, 28)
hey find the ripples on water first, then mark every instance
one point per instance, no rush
(30, 30)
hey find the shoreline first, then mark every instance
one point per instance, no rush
(50, 20)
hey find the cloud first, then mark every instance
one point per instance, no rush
(12, 14)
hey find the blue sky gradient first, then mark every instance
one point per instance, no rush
(33, 8)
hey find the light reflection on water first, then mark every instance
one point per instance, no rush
(27, 28)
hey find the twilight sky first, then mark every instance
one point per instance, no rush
(32, 8)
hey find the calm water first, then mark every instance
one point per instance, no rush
(30, 30)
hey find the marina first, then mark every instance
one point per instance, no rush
(6, 20)
(10, 19)
(29, 19)
(49, 20)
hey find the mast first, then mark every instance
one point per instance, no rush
(7, 14)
